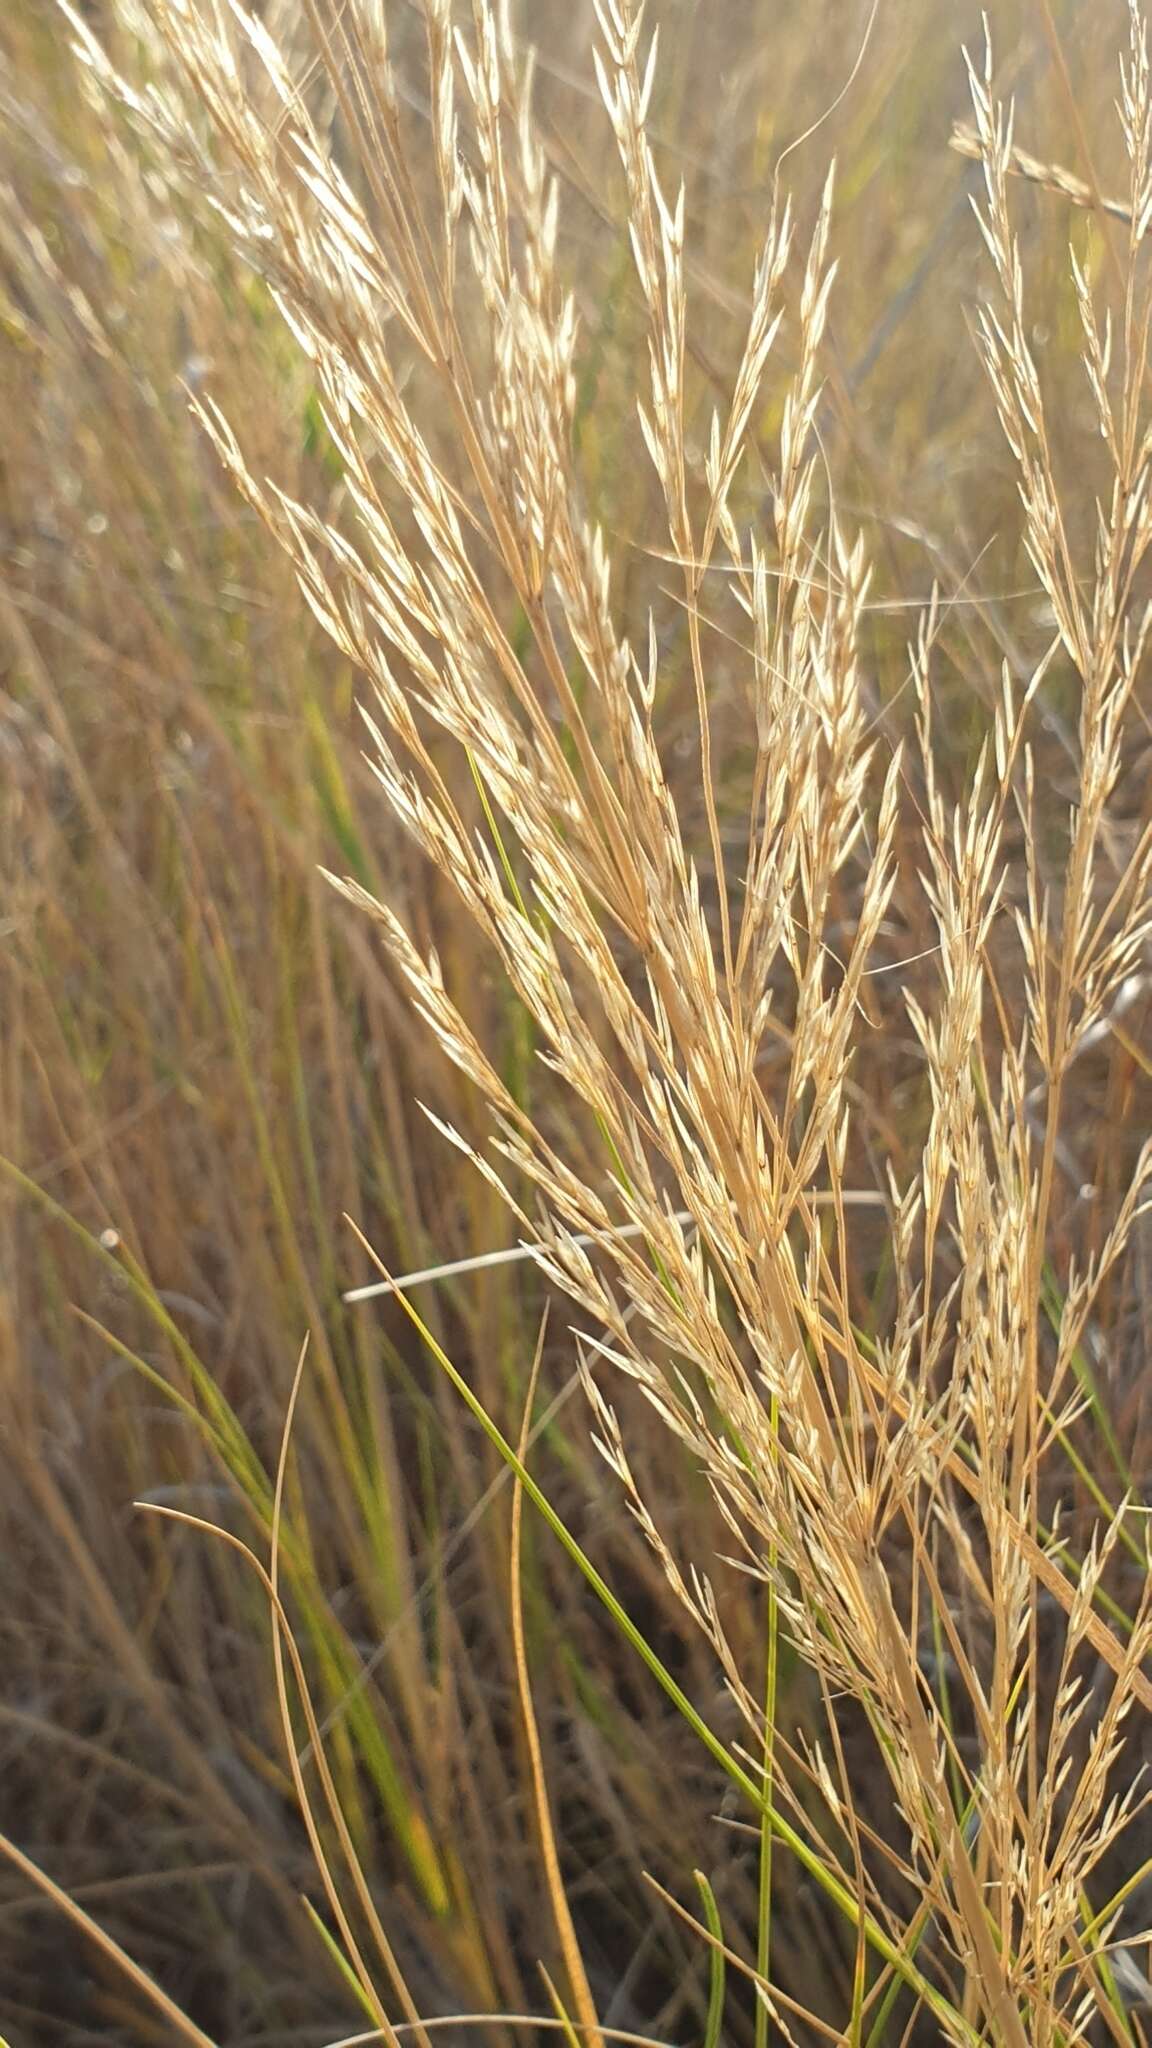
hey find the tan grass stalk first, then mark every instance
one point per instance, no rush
(566, 1933)
(1052, 177)
(92, 1930)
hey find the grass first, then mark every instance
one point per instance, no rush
(746, 859)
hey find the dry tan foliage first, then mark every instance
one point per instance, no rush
(887, 1486)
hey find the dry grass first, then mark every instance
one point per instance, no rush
(770, 934)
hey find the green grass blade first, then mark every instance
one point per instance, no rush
(716, 1964)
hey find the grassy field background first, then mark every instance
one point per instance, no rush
(206, 1062)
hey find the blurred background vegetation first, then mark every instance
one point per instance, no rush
(205, 1066)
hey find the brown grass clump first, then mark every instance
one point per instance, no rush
(793, 1001)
